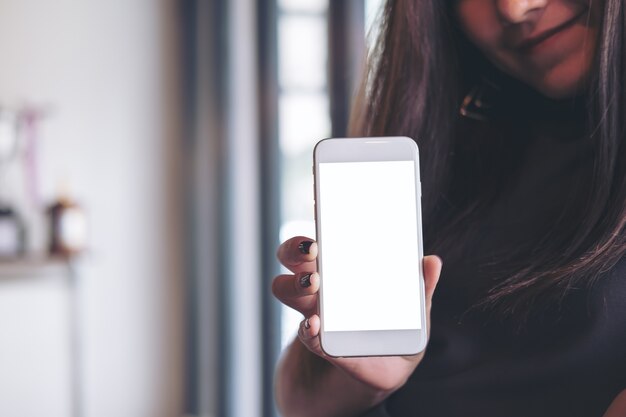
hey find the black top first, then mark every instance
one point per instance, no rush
(567, 361)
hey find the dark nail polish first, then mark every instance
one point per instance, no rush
(305, 247)
(307, 324)
(305, 281)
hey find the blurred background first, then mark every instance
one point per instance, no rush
(153, 154)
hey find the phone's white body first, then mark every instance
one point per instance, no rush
(369, 235)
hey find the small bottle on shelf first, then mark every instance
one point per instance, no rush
(68, 227)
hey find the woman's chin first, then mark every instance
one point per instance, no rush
(565, 81)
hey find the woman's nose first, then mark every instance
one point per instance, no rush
(520, 11)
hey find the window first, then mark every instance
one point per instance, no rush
(304, 118)
(304, 113)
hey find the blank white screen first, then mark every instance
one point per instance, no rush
(369, 243)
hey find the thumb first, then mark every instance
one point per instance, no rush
(432, 271)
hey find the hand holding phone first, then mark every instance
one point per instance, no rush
(386, 373)
(300, 290)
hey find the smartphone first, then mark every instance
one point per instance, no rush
(369, 234)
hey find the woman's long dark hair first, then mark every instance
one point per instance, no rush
(414, 86)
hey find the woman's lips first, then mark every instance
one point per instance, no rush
(529, 44)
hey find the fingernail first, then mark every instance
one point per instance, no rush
(305, 280)
(305, 246)
(307, 324)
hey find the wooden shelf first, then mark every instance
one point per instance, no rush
(32, 267)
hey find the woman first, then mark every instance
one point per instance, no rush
(518, 107)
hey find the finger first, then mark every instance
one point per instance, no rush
(308, 333)
(298, 254)
(293, 286)
(432, 271)
(298, 291)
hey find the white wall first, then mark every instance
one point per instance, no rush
(35, 349)
(109, 71)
